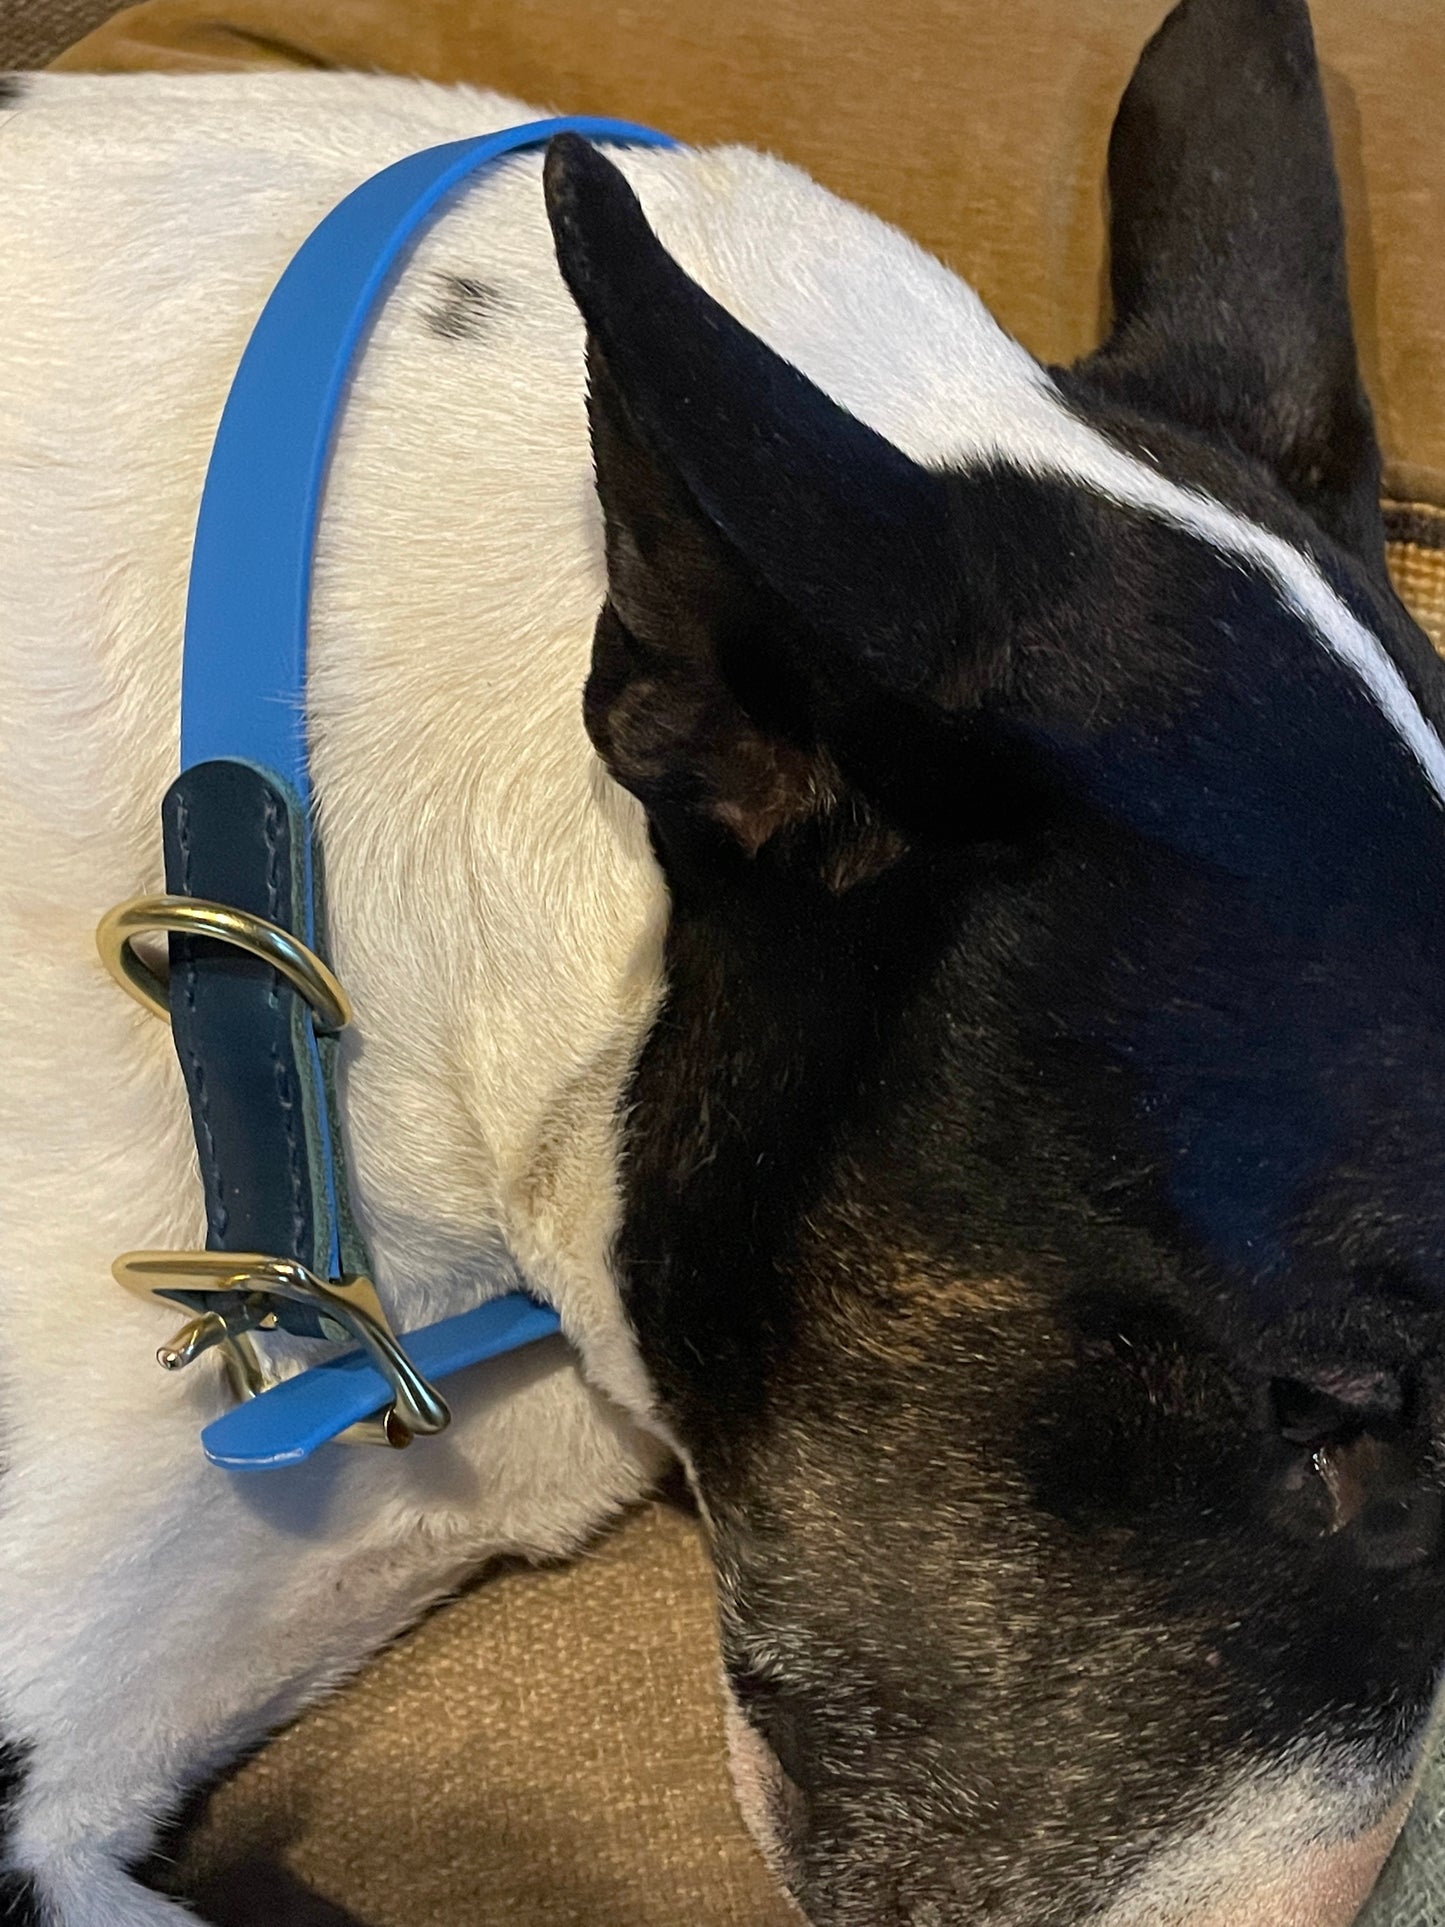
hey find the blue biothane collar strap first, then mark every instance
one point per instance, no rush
(260, 1070)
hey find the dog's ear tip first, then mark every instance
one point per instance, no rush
(570, 167)
(561, 165)
(593, 212)
(575, 170)
(566, 153)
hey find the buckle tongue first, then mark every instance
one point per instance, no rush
(268, 1294)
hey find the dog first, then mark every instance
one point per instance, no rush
(933, 982)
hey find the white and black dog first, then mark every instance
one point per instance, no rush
(954, 1018)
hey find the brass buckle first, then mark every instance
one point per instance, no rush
(267, 1294)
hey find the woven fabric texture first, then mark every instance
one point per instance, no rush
(545, 1752)
(33, 32)
(1417, 562)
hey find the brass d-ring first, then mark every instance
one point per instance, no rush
(195, 917)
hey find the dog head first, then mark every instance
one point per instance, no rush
(1035, 1186)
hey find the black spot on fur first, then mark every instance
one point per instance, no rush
(463, 307)
(19, 1900)
(12, 90)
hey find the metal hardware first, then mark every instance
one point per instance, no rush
(243, 1367)
(272, 1293)
(195, 917)
(383, 1428)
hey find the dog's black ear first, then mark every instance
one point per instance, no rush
(769, 555)
(1231, 299)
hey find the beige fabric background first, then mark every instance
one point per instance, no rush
(33, 32)
(546, 1751)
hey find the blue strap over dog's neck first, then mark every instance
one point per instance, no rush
(250, 587)
(239, 821)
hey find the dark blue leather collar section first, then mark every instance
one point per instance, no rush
(238, 822)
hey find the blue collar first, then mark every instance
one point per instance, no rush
(253, 1006)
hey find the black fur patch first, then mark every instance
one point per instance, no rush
(12, 90)
(463, 307)
(19, 1900)
(1034, 1189)
(1135, 1063)
(978, 1213)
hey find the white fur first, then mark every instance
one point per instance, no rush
(497, 915)
(1298, 1846)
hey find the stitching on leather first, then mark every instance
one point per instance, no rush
(286, 1098)
(272, 822)
(280, 1072)
(197, 1071)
